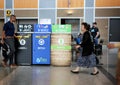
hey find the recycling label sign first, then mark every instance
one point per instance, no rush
(25, 28)
(62, 31)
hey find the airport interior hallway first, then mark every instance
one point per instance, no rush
(51, 75)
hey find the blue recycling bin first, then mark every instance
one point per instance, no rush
(41, 44)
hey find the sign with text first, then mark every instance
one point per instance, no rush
(45, 21)
(62, 37)
(61, 28)
(42, 28)
(25, 28)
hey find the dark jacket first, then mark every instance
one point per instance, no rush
(94, 31)
(87, 44)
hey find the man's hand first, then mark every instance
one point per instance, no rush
(2, 41)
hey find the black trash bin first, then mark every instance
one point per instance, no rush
(24, 48)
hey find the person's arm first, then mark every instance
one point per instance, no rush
(86, 36)
(3, 33)
(3, 36)
(117, 45)
(98, 33)
(114, 45)
(15, 35)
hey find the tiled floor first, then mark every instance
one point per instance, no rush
(48, 75)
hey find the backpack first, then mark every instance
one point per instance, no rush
(4, 46)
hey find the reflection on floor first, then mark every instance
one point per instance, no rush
(109, 60)
(5, 72)
(49, 75)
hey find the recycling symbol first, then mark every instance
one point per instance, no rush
(22, 42)
(61, 41)
(41, 42)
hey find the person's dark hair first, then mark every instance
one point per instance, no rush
(95, 23)
(87, 26)
(12, 15)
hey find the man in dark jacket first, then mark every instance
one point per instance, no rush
(95, 33)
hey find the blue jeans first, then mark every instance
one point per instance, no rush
(96, 41)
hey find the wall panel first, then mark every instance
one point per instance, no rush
(71, 4)
(26, 13)
(107, 13)
(107, 3)
(1, 13)
(103, 28)
(26, 3)
(2, 4)
(64, 13)
(77, 3)
(62, 3)
(1, 26)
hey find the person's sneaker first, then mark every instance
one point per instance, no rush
(3, 64)
(13, 66)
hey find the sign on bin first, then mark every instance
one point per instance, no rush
(42, 28)
(25, 28)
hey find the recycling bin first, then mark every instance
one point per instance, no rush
(41, 44)
(24, 45)
(61, 45)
